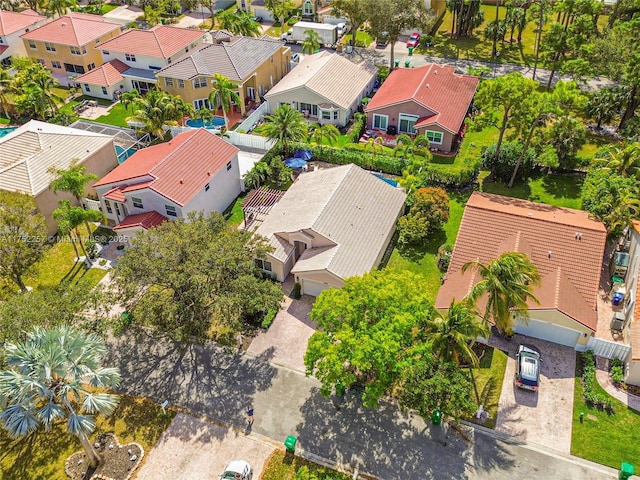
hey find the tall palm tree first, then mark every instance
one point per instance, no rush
(73, 180)
(311, 42)
(319, 133)
(239, 23)
(70, 217)
(454, 333)
(508, 284)
(155, 110)
(38, 96)
(285, 125)
(6, 86)
(626, 160)
(129, 98)
(223, 93)
(55, 375)
(374, 144)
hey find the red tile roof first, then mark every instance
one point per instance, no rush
(444, 94)
(179, 168)
(105, 75)
(566, 245)
(3, 48)
(11, 22)
(115, 194)
(145, 220)
(74, 29)
(160, 41)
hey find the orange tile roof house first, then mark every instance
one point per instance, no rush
(67, 45)
(12, 25)
(432, 100)
(566, 245)
(144, 52)
(196, 171)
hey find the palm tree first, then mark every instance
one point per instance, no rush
(374, 144)
(6, 83)
(311, 42)
(285, 125)
(70, 217)
(259, 174)
(73, 180)
(223, 93)
(319, 133)
(508, 284)
(602, 106)
(55, 375)
(626, 160)
(129, 98)
(38, 96)
(407, 146)
(625, 208)
(155, 110)
(61, 7)
(454, 333)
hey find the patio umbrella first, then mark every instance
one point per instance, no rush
(295, 162)
(303, 154)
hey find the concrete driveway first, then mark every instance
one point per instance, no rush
(192, 449)
(543, 417)
(286, 339)
(124, 14)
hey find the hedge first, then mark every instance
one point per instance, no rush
(589, 381)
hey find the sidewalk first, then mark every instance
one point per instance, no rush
(386, 443)
(602, 374)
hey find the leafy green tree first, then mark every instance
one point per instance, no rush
(319, 133)
(279, 173)
(502, 103)
(507, 283)
(367, 329)
(185, 275)
(224, 93)
(129, 98)
(454, 333)
(259, 174)
(408, 147)
(512, 156)
(280, 9)
(55, 375)
(37, 98)
(60, 7)
(238, 23)
(23, 236)
(285, 125)
(428, 384)
(311, 43)
(567, 135)
(396, 16)
(494, 31)
(355, 11)
(429, 211)
(466, 16)
(73, 180)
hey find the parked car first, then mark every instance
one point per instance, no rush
(258, 19)
(414, 40)
(237, 470)
(527, 368)
(382, 40)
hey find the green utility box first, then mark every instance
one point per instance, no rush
(407, 63)
(436, 417)
(290, 444)
(410, 51)
(396, 62)
(626, 470)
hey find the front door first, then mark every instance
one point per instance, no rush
(251, 93)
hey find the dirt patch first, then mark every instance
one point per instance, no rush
(119, 461)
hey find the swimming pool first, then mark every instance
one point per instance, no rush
(215, 123)
(393, 183)
(6, 131)
(124, 154)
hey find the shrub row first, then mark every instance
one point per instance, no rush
(588, 379)
(357, 127)
(617, 370)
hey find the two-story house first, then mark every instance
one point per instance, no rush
(12, 25)
(67, 46)
(254, 64)
(196, 171)
(132, 59)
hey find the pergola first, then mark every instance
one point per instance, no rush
(258, 203)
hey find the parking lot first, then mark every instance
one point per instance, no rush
(543, 417)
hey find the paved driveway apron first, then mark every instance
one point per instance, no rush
(543, 417)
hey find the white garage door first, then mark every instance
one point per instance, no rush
(549, 331)
(309, 287)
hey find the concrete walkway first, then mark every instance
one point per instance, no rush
(386, 442)
(604, 379)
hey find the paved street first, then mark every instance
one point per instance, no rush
(384, 442)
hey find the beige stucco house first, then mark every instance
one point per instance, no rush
(27, 154)
(565, 245)
(254, 64)
(330, 225)
(325, 87)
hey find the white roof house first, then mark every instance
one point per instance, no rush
(28, 154)
(324, 86)
(330, 225)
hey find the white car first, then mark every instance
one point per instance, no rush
(237, 470)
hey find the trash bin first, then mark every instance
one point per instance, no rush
(407, 63)
(396, 63)
(410, 51)
(436, 417)
(290, 444)
(626, 470)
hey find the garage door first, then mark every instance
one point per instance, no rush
(549, 331)
(309, 287)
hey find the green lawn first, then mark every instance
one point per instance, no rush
(283, 466)
(422, 259)
(603, 438)
(43, 454)
(488, 379)
(363, 39)
(234, 215)
(117, 116)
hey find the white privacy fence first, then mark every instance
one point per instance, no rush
(236, 138)
(252, 120)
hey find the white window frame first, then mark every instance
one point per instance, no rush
(200, 82)
(137, 202)
(433, 141)
(168, 82)
(170, 210)
(130, 57)
(307, 7)
(50, 47)
(32, 45)
(180, 83)
(56, 64)
(75, 50)
(378, 117)
(409, 118)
